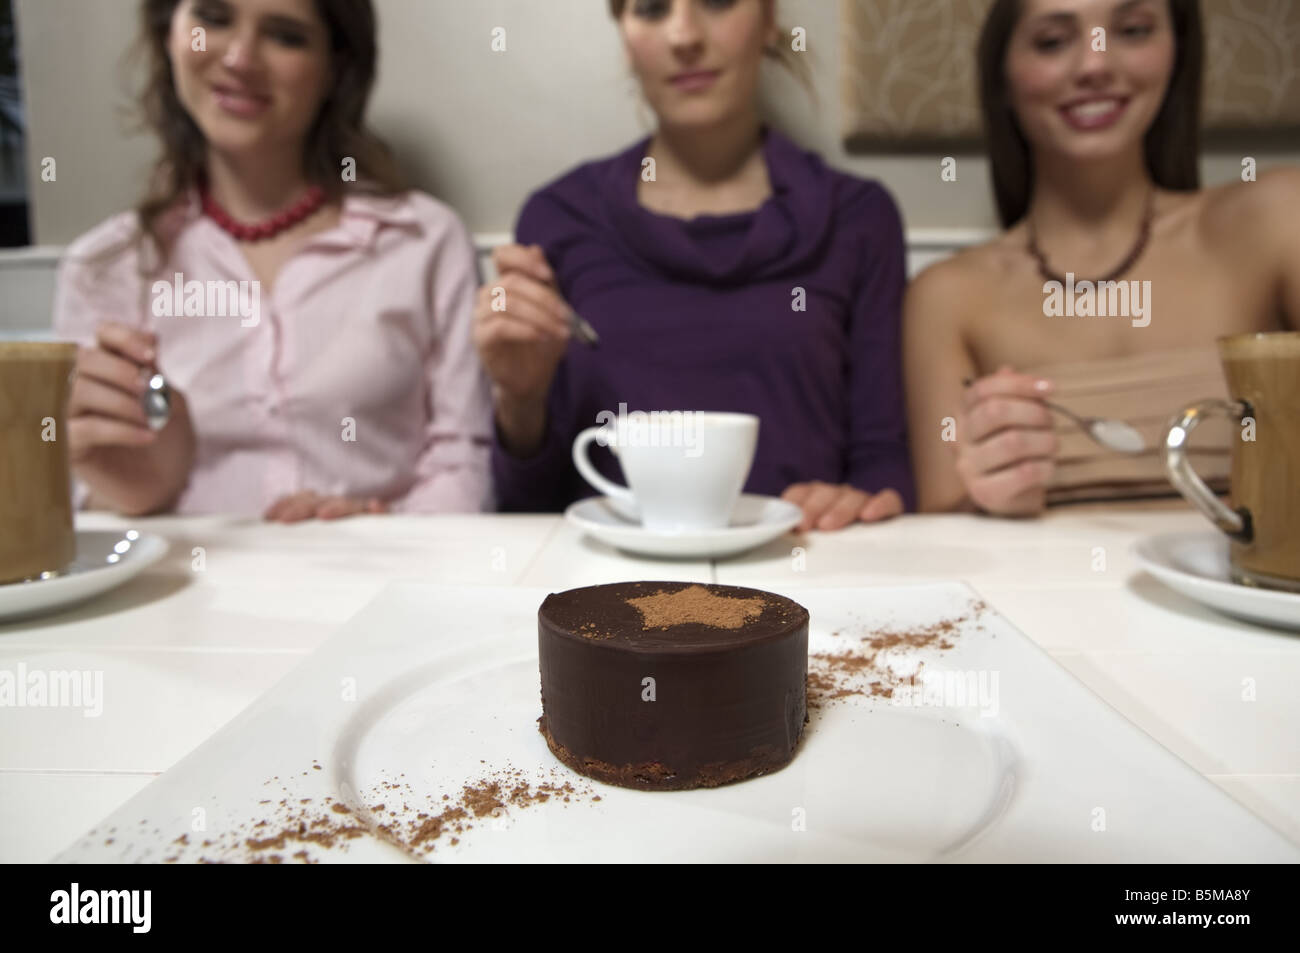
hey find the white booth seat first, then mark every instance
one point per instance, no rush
(27, 275)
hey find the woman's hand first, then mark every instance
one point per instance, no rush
(1006, 446)
(828, 506)
(308, 504)
(521, 330)
(112, 450)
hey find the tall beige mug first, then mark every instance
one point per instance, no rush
(36, 534)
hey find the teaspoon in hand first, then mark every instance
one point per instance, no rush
(1114, 435)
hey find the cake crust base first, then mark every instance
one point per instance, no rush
(654, 776)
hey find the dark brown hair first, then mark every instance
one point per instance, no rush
(1172, 144)
(339, 130)
(797, 65)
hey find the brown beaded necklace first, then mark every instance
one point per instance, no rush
(1144, 237)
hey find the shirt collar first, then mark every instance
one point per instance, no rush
(364, 214)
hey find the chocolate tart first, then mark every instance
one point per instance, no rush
(670, 685)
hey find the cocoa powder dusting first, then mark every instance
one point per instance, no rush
(696, 604)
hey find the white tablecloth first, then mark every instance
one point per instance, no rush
(183, 648)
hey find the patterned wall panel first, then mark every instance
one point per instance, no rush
(908, 68)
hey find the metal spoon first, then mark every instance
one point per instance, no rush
(582, 330)
(157, 402)
(1114, 435)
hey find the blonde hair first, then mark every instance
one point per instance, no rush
(782, 53)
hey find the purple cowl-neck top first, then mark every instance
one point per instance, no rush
(790, 312)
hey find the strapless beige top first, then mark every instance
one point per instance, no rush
(1145, 390)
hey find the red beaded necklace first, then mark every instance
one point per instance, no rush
(305, 206)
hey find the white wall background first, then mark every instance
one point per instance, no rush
(477, 128)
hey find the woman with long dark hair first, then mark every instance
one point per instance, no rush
(723, 268)
(310, 313)
(1116, 272)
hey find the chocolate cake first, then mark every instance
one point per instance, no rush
(670, 685)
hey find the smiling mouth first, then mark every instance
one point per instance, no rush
(1094, 113)
(240, 102)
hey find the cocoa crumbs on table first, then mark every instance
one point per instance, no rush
(301, 829)
(870, 668)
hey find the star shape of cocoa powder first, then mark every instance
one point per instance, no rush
(696, 604)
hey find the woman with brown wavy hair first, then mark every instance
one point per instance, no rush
(310, 314)
(1092, 114)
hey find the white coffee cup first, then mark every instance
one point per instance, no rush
(685, 468)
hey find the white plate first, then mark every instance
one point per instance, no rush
(756, 520)
(429, 688)
(1196, 565)
(105, 560)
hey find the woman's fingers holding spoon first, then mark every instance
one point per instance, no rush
(527, 259)
(93, 397)
(134, 344)
(1005, 383)
(995, 414)
(1008, 448)
(111, 370)
(1116, 435)
(530, 300)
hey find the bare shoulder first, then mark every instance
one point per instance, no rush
(948, 290)
(1248, 211)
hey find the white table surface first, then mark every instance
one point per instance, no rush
(183, 650)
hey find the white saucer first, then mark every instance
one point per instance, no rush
(105, 560)
(756, 520)
(1196, 565)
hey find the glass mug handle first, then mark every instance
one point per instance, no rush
(1235, 523)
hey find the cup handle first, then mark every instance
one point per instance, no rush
(1235, 523)
(589, 473)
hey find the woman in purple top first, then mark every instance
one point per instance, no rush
(724, 269)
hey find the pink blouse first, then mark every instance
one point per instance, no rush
(355, 374)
